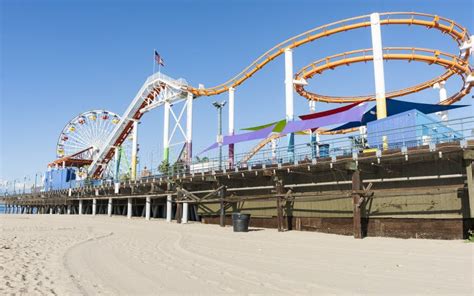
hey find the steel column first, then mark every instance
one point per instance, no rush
(443, 115)
(231, 124)
(378, 65)
(289, 99)
(134, 150)
(166, 131)
(189, 128)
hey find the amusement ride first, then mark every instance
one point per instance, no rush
(99, 143)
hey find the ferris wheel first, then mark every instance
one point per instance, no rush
(86, 134)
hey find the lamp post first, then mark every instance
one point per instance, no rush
(219, 107)
(36, 182)
(24, 184)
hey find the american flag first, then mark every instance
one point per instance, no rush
(158, 59)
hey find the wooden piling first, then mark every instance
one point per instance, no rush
(279, 190)
(179, 206)
(222, 194)
(356, 187)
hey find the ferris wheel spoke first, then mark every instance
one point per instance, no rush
(77, 138)
(89, 129)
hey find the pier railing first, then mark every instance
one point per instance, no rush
(429, 136)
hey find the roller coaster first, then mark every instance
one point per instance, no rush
(161, 90)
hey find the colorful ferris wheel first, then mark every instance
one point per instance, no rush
(85, 135)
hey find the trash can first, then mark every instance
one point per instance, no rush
(240, 222)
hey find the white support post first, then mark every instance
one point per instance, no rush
(80, 207)
(129, 208)
(166, 131)
(377, 51)
(117, 171)
(313, 136)
(69, 210)
(184, 219)
(51, 210)
(134, 150)
(168, 207)
(443, 115)
(274, 150)
(109, 207)
(147, 208)
(379, 75)
(289, 100)
(94, 206)
(231, 124)
(189, 128)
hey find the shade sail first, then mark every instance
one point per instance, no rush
(277, 126)
(213, 146)
(329, 112)
(280, 125)
(352, 114)
(260, 134)
(255, 135)
(396, 107)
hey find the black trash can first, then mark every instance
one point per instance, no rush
(240, 222)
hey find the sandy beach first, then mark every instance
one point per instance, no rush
(72, 255)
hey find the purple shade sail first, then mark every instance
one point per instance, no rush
(213, 146)
(260, 134)
(354, 114)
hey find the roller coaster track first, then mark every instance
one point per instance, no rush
(452, 63)
(156, 84)
(151, 90)
(447, 26)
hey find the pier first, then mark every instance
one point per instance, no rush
(422, 193)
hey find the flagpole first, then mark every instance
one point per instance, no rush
(154, 62)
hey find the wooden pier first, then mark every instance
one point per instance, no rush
(422, 193)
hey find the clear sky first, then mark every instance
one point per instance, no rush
(61, 58)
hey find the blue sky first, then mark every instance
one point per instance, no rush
(61, 58)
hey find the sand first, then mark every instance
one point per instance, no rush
(85, 255)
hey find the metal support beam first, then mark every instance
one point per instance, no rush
(134, 150)
(166, 131)
(378, 65)
(231, 124)
(314, 136)
(443, 95)
(117, 171)
(189, 129)
(80, 207)
(289, 100)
